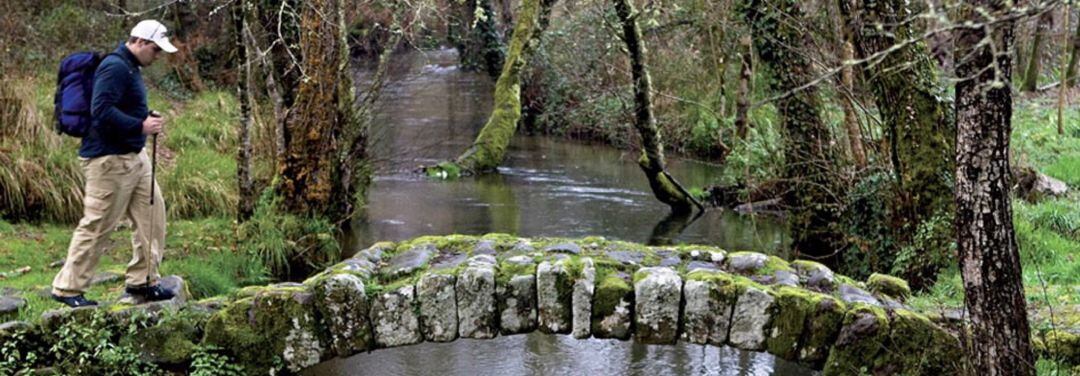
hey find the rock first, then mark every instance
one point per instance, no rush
(438, 307)
(567, 247)
(709, 298)
(612, 301)
(517, 304)
(582, 301)
(889, 286)
(476, 306)
(815, 275)
(375, 252)
(1048, 186)
(746, 263)
(669, 258)
(554, 294)
(916, 346)
(10, 306)
(277, 326)
(394, 318)
(105, 277)
(363, 268)
(447, 261)
(865, 329)
(484, 247)
(170, 336)
(626, 257)
(1033, 185)
(342, 302)
(851, 294)
(785, 278)
(701, 265)
(826, 316)
(57, 263)
(409, 261)
(657, 292)
(792, 308)
(522, 247)
(173, 283)
(751, 318)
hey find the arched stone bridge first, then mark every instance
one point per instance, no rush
(443, 288)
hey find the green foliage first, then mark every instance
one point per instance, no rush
(869, 239)
(285, 243)
(91, 348)
(209, 360)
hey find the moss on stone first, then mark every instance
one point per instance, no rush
(822, 326)
(507, 271)
(862, 336)
(1058, 345)
(610, 290)
(793, 307)
(173, 338)
(889, 286)
(774, 264)
(915, 346)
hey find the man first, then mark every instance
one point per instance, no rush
(118, 179)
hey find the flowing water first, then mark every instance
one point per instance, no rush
(431, 111)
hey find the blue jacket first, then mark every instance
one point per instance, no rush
(118, 107)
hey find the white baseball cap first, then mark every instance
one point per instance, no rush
(153, 31)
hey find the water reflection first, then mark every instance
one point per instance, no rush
(547, 187)
(542, 354)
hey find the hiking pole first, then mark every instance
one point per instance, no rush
(153, 162)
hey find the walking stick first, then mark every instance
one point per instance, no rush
(153, 182)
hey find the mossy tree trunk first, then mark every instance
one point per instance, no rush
(1074, 54)
(664, 186)
(919, 126)
(744, 87)
(989, 258)
(246, 205)
(489, 148)
(1034, 62)
(812, 194)
(314, 178)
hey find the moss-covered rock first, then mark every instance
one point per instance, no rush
(709, 300)
(916, 346)
(1058, 345)
(342, 303)
(657, 295)
(554, 295)
(476, 307)
(584, 289)
(515, 290)
(752, 317)
(814, 275)
(276, 328)
(822, 328)
(612, 301)
(863, 335)
(394, 318)
(889, 286)
(438, 307)
(794, 307)
(169, 337)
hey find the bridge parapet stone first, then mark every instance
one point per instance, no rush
(515, 290)
(554, 294)
(476, 306)
(613, 300)
(582, 300)
(709, 300)
(752, 317)
(437, 297)
(657, 295)
(394, 318)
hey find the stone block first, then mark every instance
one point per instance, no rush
(657, 292)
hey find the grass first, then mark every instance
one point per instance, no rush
(202, 251)
(41, 179)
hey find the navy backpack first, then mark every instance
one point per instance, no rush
(74, 90)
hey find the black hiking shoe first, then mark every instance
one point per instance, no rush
(74, 301)
(150, 293)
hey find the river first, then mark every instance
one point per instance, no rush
(431, 111)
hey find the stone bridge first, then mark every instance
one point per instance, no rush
(443, 288)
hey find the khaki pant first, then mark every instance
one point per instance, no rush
(117, 187)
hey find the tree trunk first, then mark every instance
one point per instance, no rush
(989, 258)
(1074, 53)
(246, 206)
(664, 186)
(919, 124)
(322, 109)
(851, 119)
(743, 91)
(477, 37)
(1034, 67)
(487, 152)
(812, 194)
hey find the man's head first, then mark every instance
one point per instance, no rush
(147, 40)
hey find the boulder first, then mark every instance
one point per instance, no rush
(888, 285)
(394, 319)
(657, 294)
(863, 334)
(438, 307)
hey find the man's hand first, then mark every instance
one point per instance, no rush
(153, 125)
